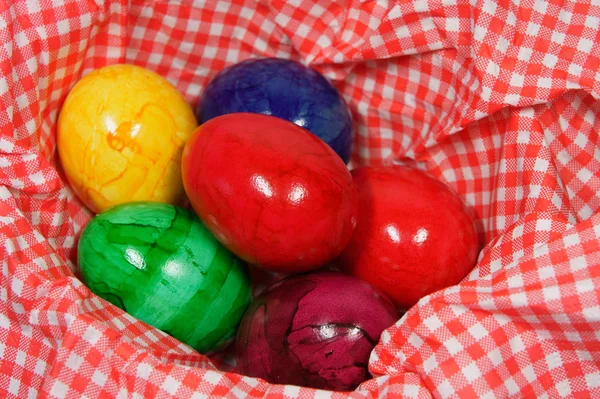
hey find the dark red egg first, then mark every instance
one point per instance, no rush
(413, 235)
(315, 330)
(270, 191)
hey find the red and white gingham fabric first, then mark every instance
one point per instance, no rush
(497, 98)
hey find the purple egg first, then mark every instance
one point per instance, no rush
(315, 330)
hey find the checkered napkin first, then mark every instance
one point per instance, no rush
(497, 98)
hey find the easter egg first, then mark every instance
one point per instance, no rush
(316, 330)
(270, 191)
(413, 235)
(286, 89)
(161, 265)
(120, 136)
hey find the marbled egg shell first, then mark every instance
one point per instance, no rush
(161, 265)
(270, 191)
(315, 329)
(286, 89)
(120, 135)
(414, 235)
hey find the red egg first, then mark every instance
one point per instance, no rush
(413, 234)
(270, 191)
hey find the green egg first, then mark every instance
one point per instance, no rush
(160, 264)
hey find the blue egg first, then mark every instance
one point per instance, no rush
(285, 89)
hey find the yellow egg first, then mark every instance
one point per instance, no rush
(121, 133)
